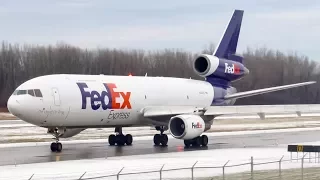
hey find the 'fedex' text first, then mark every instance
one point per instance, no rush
(98, 100)
(196, 126)
(233, 69)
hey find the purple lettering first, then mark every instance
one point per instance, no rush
(84, 94)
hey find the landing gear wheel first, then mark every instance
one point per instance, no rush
(53, 147)
(120, 140)
(129, 139)
(204, 140)
(196, 141)
(160, 138)
(56, 147)
(164, 139)
(59, 147)
(112, 140)
(156, 139)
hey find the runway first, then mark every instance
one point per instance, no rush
(42, 153)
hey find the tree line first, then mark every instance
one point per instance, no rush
(19, 63)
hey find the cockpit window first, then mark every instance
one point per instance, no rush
(15, 92)
(20, 92)
(38, 93)
(30, 91)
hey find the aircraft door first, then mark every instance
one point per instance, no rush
(56, 96)
(57, 112)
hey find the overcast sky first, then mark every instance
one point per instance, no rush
(286, 25)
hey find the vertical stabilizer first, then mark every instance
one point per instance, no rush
(228, 43)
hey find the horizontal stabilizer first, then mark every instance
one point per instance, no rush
(265, 90)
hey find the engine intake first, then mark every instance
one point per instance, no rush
(211, 66)
(186, 126)
(205, 65)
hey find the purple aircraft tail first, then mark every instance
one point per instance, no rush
(223, 66)
(228, 44)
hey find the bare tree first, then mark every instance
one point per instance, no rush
(19, 63)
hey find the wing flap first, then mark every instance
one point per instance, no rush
(265, 90)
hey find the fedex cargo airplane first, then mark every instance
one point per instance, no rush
(67, 104)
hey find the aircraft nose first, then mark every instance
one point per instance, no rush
(13, 106)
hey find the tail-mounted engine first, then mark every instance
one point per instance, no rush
(211, 66)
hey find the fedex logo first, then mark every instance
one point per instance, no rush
(196, 126)
(233, 69)
(108, 99)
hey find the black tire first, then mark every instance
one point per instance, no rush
(112, 140)
(156, 139)
(187, 143)
(204, 140)
(164, 139)
(196, 141)
(121, 140)
(59, 147)
(129, 139)
(53, 147)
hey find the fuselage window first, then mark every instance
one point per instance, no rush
(38, 93)
(30, 91)
(20, 92)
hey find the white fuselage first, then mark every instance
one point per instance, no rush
(106, 101)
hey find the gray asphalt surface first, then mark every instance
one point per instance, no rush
(36, 154)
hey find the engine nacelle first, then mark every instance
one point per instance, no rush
(186, 126)
(211, 66)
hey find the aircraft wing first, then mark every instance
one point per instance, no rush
(261, 110)
(265, 90)
(154, 112)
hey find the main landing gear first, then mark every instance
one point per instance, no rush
(197, 141)
(119, 138)
(160, 138)
(55, 146)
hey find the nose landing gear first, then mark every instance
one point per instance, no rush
(56, 132)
